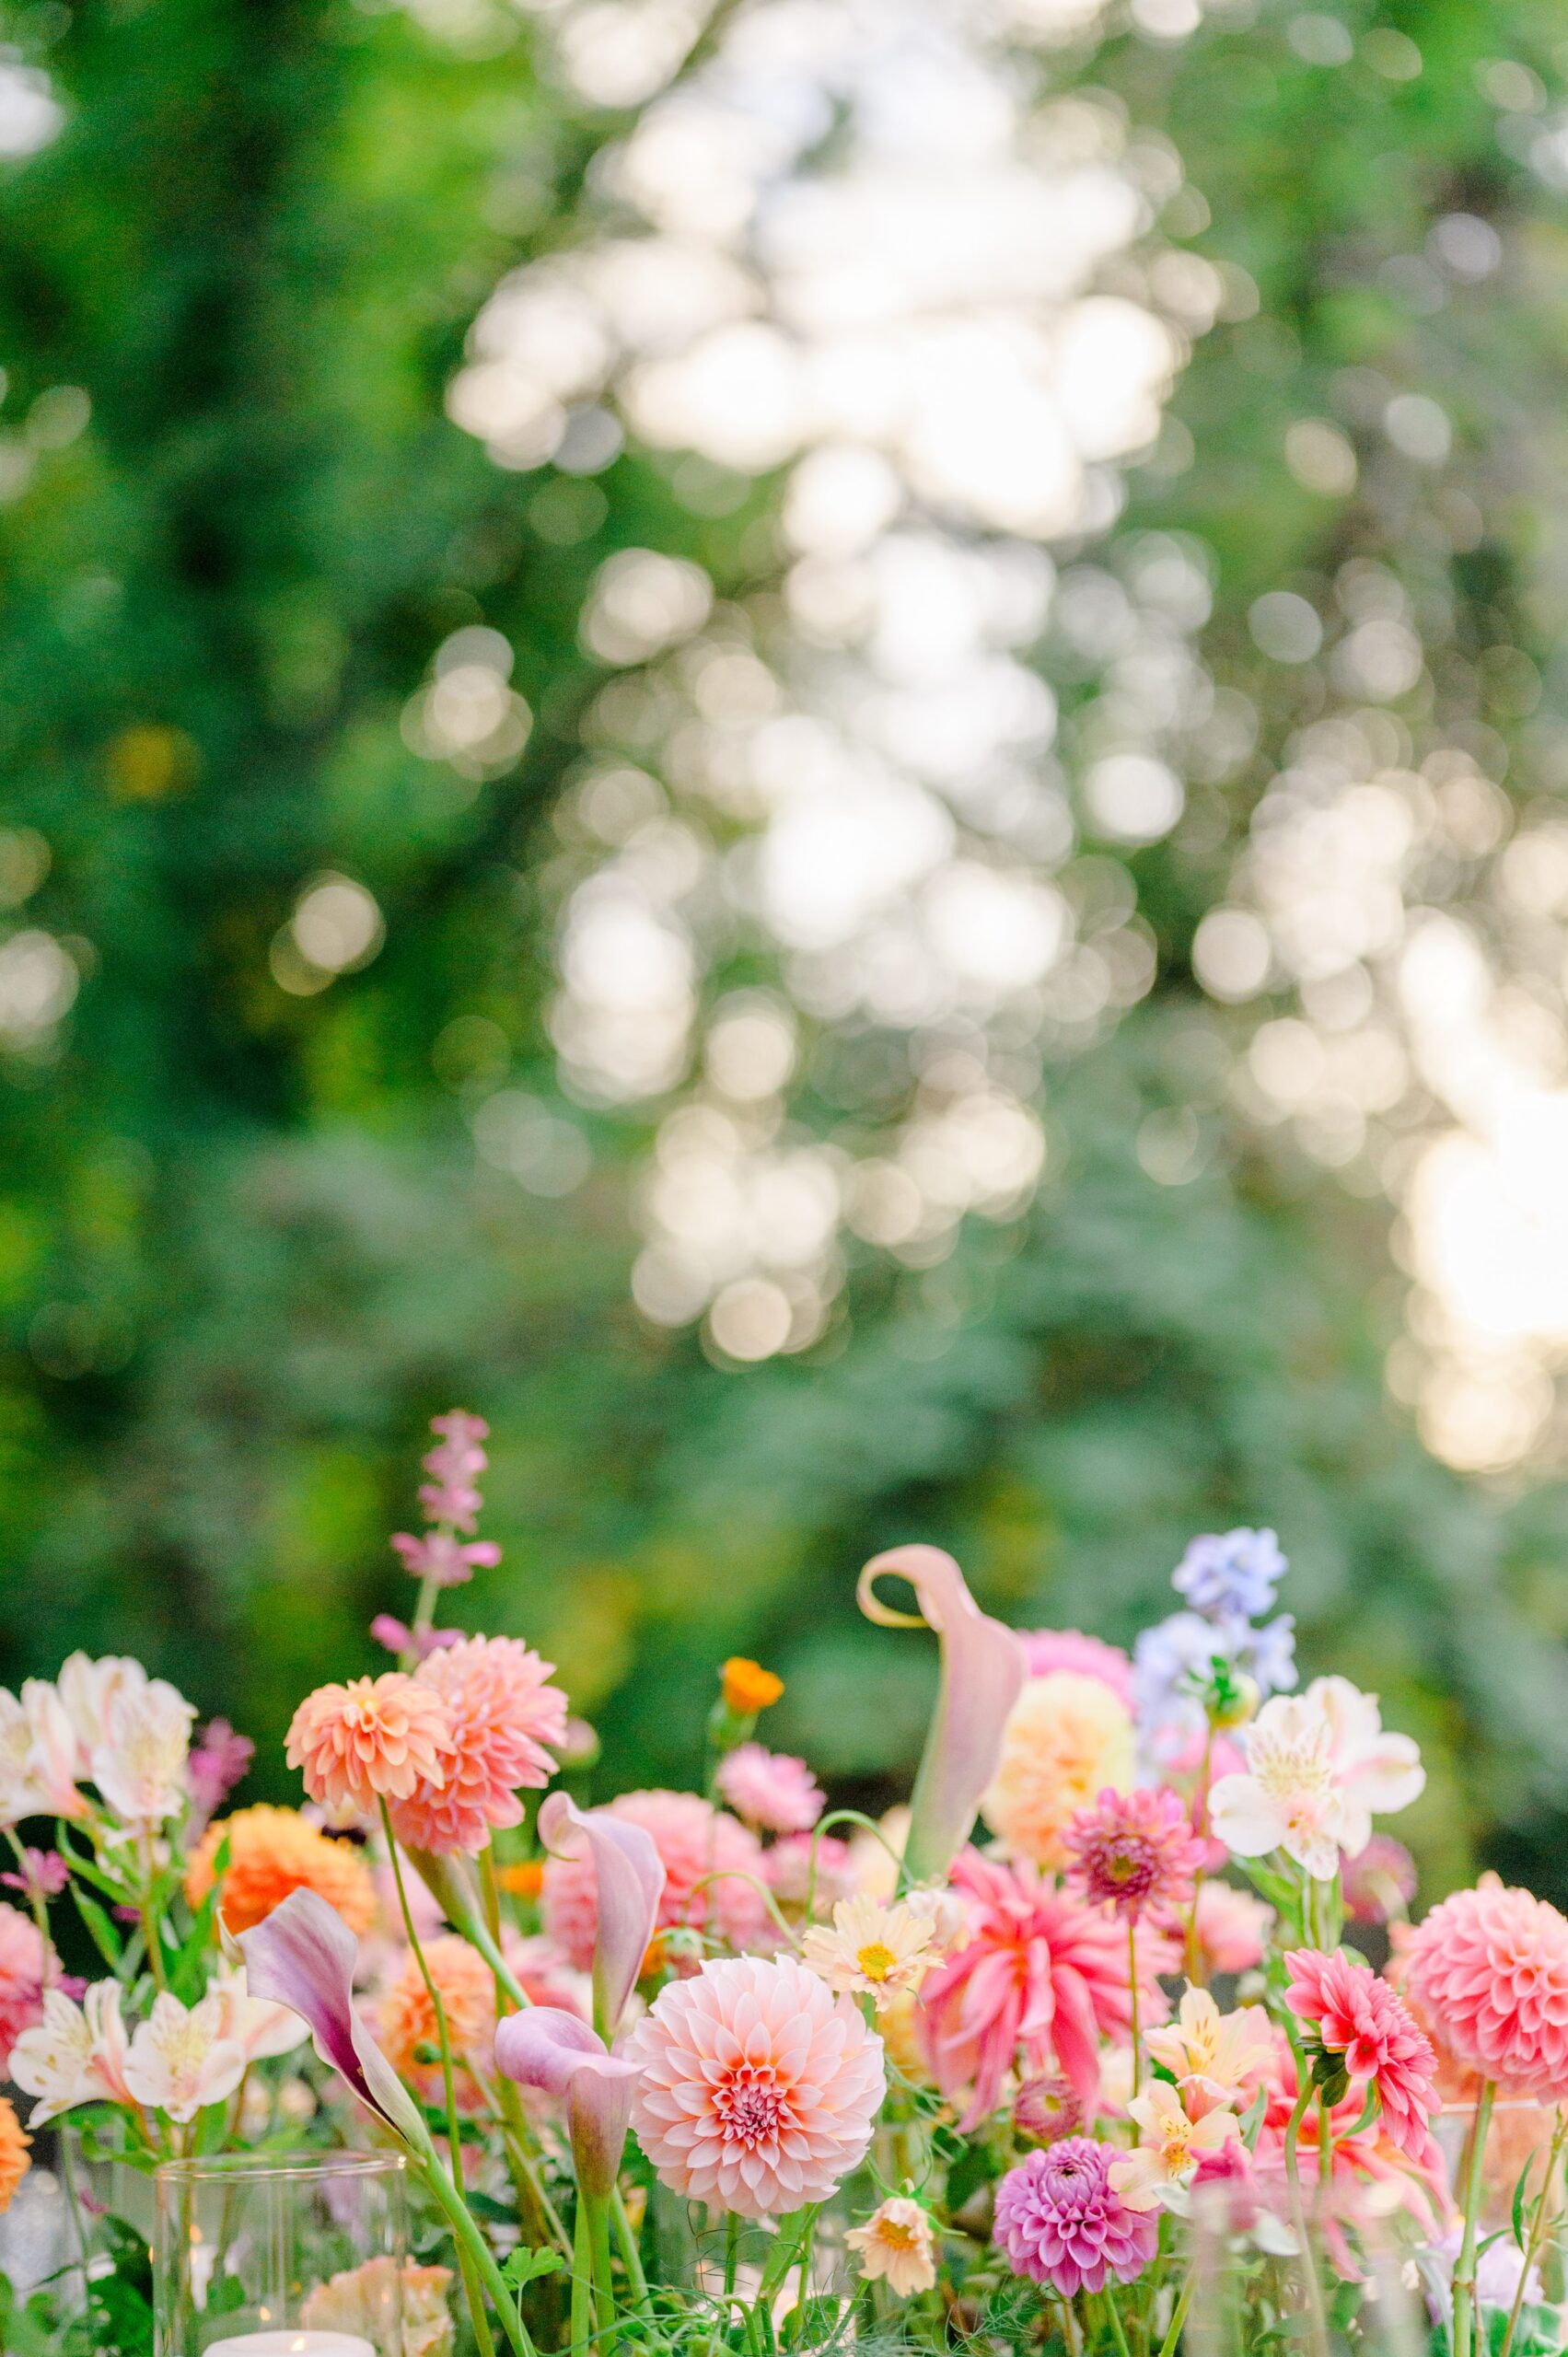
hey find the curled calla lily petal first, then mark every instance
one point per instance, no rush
(303, 1955)
(983, 1673)
(551, 2049)
(628, 1884)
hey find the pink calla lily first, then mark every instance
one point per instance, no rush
(983, 1673)
(628, 1884)
(549, 2048)
(303, 1955)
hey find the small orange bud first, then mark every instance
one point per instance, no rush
(748, 1687)
(525, 1880)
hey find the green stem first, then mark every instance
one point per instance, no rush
(1118, 2330)
(1178, 2315)
(731, 2250)
(1298, 2212)
(630, 2257)
(474, 2295)
(582, 2283)
(149, 1916)
(468, 2237)
(1464, 2266)
(1538, 2224)
(598, 2244)
(448, 2077)
(1133, 1986)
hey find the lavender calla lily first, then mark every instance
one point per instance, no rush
(982, 1674)
(551, 2049)
(628, 1884)
(303, 1955)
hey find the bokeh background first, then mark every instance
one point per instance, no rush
(818, 746)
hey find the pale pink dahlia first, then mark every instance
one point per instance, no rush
(1042, 1976)
(1049, 1649)
(1360, 2018)
(1060, 2222)
(788, 1869)
(375, 1737)
(1489, 1970)
(693, 1840)
(771, 1789)
(504, 1713)
(759, 2088)
(1134, 1852)
(24, 1964)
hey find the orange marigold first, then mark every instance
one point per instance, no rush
(523, 1880)
(14, 2161)
(748, 1687)
(406, 2020)
(271, 1851)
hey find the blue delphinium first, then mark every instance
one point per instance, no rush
(1231, 1578)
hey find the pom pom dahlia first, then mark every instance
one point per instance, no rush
(271, 1851)
(1134, 1852)
(1049, 1649)
(693, 1840)
(1060, 2222)
(502, 1714)
(1067, 1738)
(406, 2019)
(771, 1789)
(1360, 2018)
(759, 2088)
(374, 1739)
(25, 1964)
(1489, 1970)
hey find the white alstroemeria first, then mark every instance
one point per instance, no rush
(89, 1689)
(1318, 1766)
(139, 1765)
(76, 2054)
(260, 2029)
(180, 2061)
(37, 1755)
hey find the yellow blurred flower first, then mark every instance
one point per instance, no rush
(1067, 1740)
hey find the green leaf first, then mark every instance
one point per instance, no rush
(526, 2265)
(1517, 2206)
(105, 1938)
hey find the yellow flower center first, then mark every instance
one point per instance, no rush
(896, 2236)
(876, 1961)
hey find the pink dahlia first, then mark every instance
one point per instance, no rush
(788, 1868)
(374, 1739)
(771, 1789)
(1049, 1649)
(1232, 1927)
(694, 1841)
(1134, 1852)
(503, 1714)
(759, 2088)
(1060, 2222)
(1357, 2015)
(1489, 1970)
(24, 1963)
(1040, 1973)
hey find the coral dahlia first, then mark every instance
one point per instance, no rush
(1134, 1852)
(1060, 2222)
(374, 1739)
(406, 2018)
(271, 1851)
(759, 2088)
(503, 1713)
(1489, 1970)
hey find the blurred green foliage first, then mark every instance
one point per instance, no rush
(245, 1251)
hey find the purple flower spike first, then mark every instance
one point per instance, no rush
(548, 2049)
(216, 1765)
(983, 1673)
(630, 1882)
(303, 1955)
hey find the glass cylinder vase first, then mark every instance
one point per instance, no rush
(1323, 2271)
(298, 2255)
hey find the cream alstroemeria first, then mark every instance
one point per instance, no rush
(180, 2061)
(870, 1950)
(260, 2029)
(76, 2054)
(1171, 2145)
(88, 1690)
(139, 1767)
(896, 2246)
(1319, 1764)
(1217, 2057)
(37, 1755)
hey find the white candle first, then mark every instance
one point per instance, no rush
(297, 2342)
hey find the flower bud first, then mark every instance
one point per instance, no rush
(1045, 2110)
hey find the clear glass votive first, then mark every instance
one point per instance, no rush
(297, 2255)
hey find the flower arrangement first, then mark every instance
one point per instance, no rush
(966, 2071)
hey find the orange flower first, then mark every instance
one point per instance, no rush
(748, 1687)
(374, 1739)
(271, 1852)
(407, 2017)
(14, 2161)
(525, 1880)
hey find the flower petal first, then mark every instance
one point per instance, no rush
(551, 2049)
(629, 1881)
(303, 1955)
